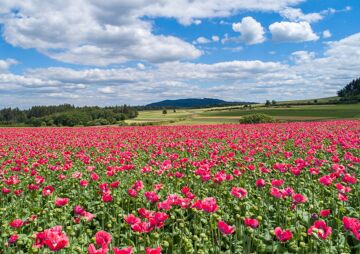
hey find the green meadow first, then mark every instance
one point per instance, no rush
(233, 114)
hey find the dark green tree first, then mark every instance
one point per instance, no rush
(351, 90)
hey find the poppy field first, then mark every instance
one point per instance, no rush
(266, 188)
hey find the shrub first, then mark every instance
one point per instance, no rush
(257, 118)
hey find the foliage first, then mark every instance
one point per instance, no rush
(257, 118)
(351, 91)
(269, 188)
(67, 115)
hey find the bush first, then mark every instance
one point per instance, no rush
(122, 123)
(257, 118)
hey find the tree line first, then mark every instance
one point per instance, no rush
(66, 115)
(351, 91)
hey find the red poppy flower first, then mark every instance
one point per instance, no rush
(53, 238)
(18, 192)
(325, 180)
(94, 176)
(126, 250)
(132, 192)
(131, 219)
(282, 235)
(225, 228)
(61, 202)
(353, 225)
(153, 250)
(88, 216)
(13, 238)
(253, 223)
(17, 223)
(84, 183)
(277, 182)
(349, 179)
(260, 183)
(325, 213)
(102, 238)
(48, 190)
(106, 197)
(138, 185)
(151, 196)
(209, 205)
(275, 192)
(114, 184)
(321, 229)
(102, 250)
(238, 192)
(5, 191)
(298, 198)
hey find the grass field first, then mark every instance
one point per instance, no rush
(319, 100)
(232, 115)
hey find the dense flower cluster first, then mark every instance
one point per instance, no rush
(268, 188)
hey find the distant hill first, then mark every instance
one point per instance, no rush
(193, 103)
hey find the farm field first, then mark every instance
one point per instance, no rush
(230, 115)
(312, 111)
(265, 188)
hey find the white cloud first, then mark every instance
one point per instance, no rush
(106, 90)
(292, 32)
(114, 31)
(301, 57)
(295, 14)
(215, 38)
(251, 31)
(347, 48)
(6, 63)
(256, 80)
(202, 40)
(99, 33)
(104, 33)
(186, 11)
(326, 34)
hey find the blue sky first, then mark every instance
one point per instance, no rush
(137, 52)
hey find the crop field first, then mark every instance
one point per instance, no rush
(320, 111)
(230, 115)
(267, 188)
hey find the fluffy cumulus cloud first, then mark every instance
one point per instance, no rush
(104, 33)
(300, 57)
(100, 33)
(296, 14)
(202, 40)
(326, 34)
(292, 32)
(97, 34)
(6, 63)
(306, 74)
(251, 31)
